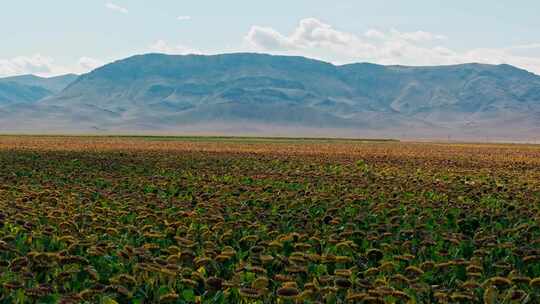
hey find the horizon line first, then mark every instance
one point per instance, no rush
(273, 55)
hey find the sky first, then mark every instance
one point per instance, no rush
(64, 36)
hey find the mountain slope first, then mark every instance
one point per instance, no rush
(30, 88)
(257, 92)
(12, 92)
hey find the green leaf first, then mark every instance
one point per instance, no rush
(163, 290)
(138, 301)
(107, 300)
(188, 295)
(20, 296)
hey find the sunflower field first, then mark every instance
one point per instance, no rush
(157, 220)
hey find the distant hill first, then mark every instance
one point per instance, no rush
(31, 88)
(53, 84)
(255, 93)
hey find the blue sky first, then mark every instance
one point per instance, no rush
(59, 36)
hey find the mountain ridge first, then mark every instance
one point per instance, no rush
(178, 92)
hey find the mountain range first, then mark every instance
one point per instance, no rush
(259, 94)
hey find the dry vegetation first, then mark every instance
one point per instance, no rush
(150, 220)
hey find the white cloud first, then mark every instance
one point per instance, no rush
(116, 8)
(530, 46)
(418, 36)
(375, 34)
(316, 39)
(310, 38)
(266, 38)
(35, 64)
(161, 46)
(87, 64)
(183, 18)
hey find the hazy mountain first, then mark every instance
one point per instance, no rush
(53, 84)
(256, 93)
(31, 88)
(12, 92)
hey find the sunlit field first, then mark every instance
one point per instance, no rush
(243, 220)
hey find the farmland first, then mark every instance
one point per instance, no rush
(217, 220)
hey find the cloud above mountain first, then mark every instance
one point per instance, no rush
(310, 34)
(34, 64)
(315, 38)
(162, 46)
(46, 66)
(88, 64)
